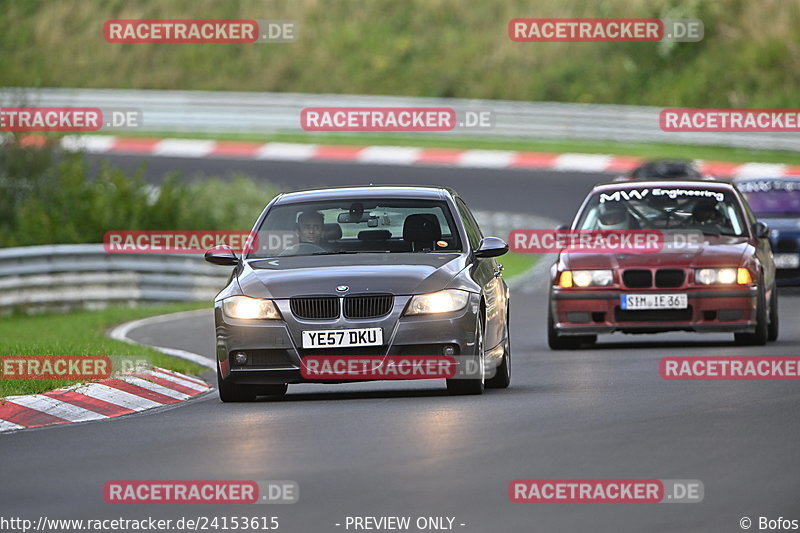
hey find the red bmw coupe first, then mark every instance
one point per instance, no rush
(721, 281)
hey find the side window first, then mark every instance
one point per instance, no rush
(473, 231)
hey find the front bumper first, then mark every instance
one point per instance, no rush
(589, 312)
(274, 347)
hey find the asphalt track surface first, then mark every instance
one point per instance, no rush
(408, 449)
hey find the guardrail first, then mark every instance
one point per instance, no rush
(60, 277)
(239, 112)
(67, 276)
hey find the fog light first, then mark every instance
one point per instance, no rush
(240, 358)
(448, 350)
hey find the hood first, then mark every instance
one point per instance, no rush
(398, 274)
(714, 251)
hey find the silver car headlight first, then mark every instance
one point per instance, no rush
(247, 308)
(445, 301)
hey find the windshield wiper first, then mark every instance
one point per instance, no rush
(335, 252)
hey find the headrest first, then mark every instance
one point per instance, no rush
(374, 235)
(422, 228)
(331, 232)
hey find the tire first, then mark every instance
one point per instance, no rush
(464, 386)
(759, 337)
(772, 330)
(502, 376)
(557, 342)
(231, 392)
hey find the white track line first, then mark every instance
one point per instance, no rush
(389, 155)
(486, 158)
(582, 162)
(94, 144)
(755, 170)
(184, 148)
(51, 406)
(155, 387)
(287, 151)
(5, 425)
(117, 397)
(179, 381)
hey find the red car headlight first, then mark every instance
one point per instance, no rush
(586, 278)
(723, 276)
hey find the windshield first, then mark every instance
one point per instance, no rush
(772, 198)
(357, 226)
(691, 209)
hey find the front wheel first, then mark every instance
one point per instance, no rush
(232, 392)
(473, 385)
(567, 342)
(502, 376)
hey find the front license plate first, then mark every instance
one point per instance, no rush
(342, 338)
(654, 301)
(787, 260)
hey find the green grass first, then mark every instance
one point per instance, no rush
(515, 264)
(643, 150)
(80, 333)
(441, 48)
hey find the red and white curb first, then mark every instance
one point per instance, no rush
(392, 155)
(108, 398)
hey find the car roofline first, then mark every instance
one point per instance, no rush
(374, 191)
(698, 183)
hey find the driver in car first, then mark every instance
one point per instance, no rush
(707, 218)
(309, 227)
(309, 234)
(615, 216)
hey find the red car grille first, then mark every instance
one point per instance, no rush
(665, 278)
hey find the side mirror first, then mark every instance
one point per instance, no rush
(221, 255)
(761, 230)
(491, 247)
(561, 227)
